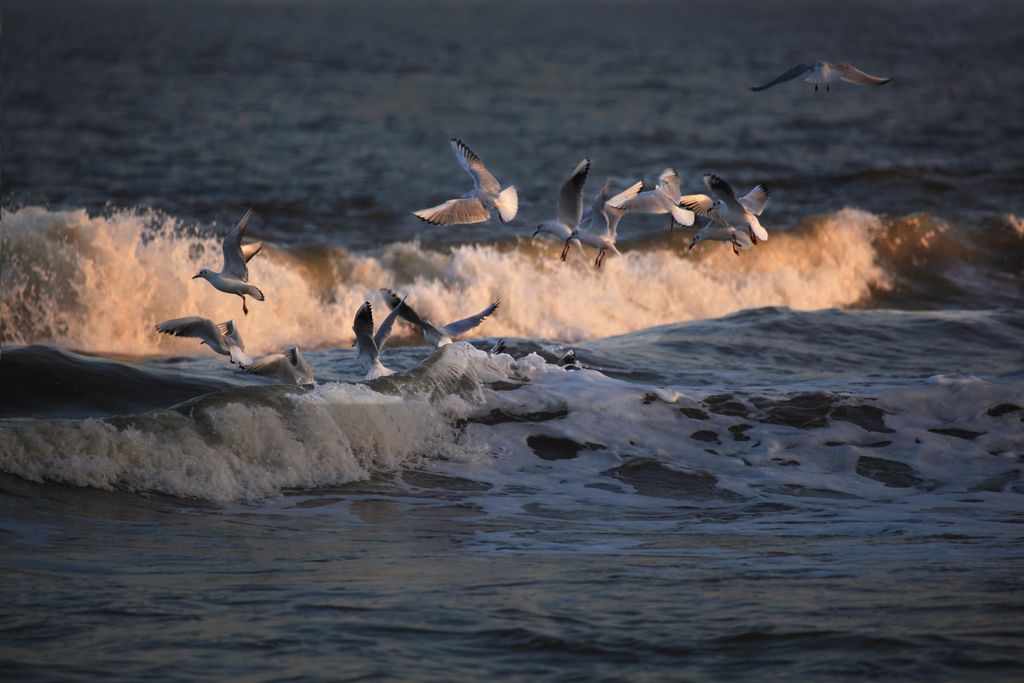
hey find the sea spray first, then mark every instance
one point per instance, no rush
(100, 283)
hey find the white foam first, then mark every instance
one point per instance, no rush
(100, 284)
(238, 451)
(244, 447)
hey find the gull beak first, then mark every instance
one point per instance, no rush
(692, 245)
(537, 231)
(195, 276)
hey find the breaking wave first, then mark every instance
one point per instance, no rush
(100, 283)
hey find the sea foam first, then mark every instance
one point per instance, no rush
(100, 283)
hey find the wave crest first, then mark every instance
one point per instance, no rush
(100, 283)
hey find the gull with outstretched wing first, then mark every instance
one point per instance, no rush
(233, 277)
(434, 334)
(476, 205)
(824, 73)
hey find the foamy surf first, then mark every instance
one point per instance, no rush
(99, 283)
(512, 421)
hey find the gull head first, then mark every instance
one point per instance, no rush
(204, 273)
(539, 230)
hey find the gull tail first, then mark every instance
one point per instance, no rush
(238, 356)
(508, 204)
(757, 229)
(254, 292)
(682, 216)
(377, 370)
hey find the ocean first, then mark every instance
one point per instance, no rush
(802, 462)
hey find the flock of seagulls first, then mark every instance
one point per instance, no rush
(729, 218)
(289, 365)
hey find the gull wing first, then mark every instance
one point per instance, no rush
(270, 365)
(598, 206)
(755, 200)
(455, 212)
(482, 178)
(233, 340)
(230, 331)
(700, 204)
(363, 327)
(234, 259)
(195, 326)
(406, 312)
(250, 250)
(787, 75)
(570, 196)
(613, 209)
(466, 324)
(668, 184)
(651, 201)
(723, 191)
(384, 331)
(302, 373)
(852, 74)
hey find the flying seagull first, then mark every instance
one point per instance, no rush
(438, 336)
(234, 276)
(570, 207)
(475, 206)
(824, 73)
(664, 198)
(288, 366)
(600, 224)
(728, 209)
(222, 338)
(370, 344)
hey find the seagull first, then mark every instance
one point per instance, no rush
(474, 206)
(288, 366)
(222, 338)
(499, 347)
(664, 198)
(234, 277)
(728, 209)
(438, 336)
(713, 230)
(370, 345)
(570, 207)
(824, 73)
(600, 224)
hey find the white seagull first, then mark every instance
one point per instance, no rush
(438, 336)
(728, 209)
(474, 206)
(234, 276)
(370, 344)
(222, 338)
(664, 198)
(824, 73)
(570, 207)
(718, 232)
(288, 366)
(600, 224)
